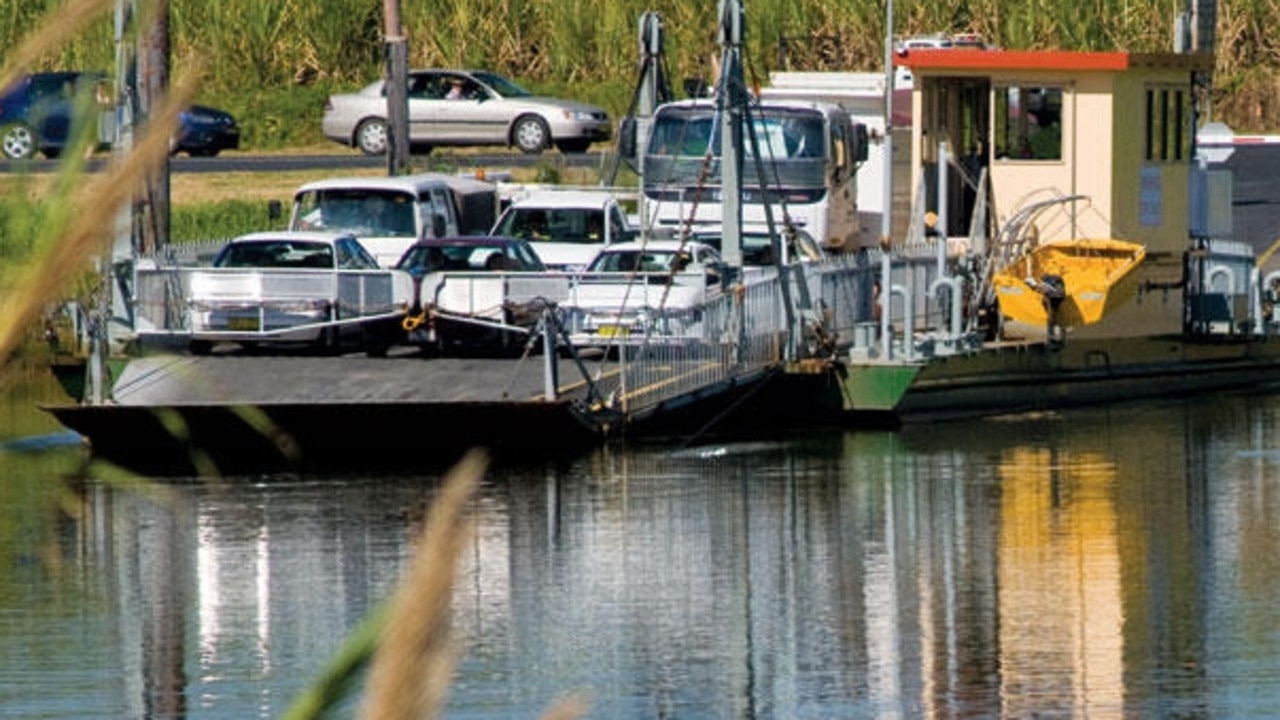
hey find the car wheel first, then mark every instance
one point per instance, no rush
(18, 141)
(573, 146)
(371, 136)
(531, 134)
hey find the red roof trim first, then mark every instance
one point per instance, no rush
(954, 59)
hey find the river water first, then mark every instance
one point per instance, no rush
(1120, 561)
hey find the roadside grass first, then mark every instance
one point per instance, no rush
(217, 205)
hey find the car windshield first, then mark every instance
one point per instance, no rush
(501, 85)
(582, 226)
(361, 212)
(275, 254)
(757, 249)
(639, 261)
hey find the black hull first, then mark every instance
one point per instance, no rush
(322, 437)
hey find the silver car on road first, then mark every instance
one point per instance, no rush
(465, 107)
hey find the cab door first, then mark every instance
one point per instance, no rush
(472, 114)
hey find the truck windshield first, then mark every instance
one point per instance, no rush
(791, 142)
(583, 226)
(366, 213)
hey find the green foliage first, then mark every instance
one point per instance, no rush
(272, 63)
(547, 174)
(220, 220)
(19, 219)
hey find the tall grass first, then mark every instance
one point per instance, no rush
(218, 220)
(273, 63)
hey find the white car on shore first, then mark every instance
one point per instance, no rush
(465, 107)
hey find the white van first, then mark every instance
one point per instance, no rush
(389, 214)
(566, 227)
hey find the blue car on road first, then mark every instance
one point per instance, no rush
(37, 111)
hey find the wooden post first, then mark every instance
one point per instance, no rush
(397, 79)
(153, 83)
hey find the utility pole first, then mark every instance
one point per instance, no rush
(397, 84)
(153, 84)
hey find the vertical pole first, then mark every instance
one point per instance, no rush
(729, 91)
(550, 358)
(886, 218)
(153, 83)
(397, 83)
(944, 159)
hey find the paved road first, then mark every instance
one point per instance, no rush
(236, 162)
(1255, 193)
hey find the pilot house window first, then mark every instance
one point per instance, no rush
(1167, 137)
(1028, 123)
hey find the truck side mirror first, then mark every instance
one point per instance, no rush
(861, 141)
(627, 138)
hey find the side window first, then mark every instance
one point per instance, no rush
(419, 87)
(616, 224)
(1028, 123)
(1168, 136)
(440, 203)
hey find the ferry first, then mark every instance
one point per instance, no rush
(1081, 250)
(1066, 245)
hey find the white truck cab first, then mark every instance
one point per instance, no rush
(388, 214)
(566, 227)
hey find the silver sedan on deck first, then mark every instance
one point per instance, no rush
(465, 107)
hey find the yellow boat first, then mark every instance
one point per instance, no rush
(1084, 279)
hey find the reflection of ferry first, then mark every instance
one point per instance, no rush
(1185, 314)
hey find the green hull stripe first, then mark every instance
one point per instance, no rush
(876, 387)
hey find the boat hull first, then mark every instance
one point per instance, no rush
(1016, 377)
(221, 439)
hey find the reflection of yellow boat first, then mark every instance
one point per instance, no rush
(1088, 277)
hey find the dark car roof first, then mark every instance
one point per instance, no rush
(472, 240)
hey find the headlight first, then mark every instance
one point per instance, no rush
(578, 115)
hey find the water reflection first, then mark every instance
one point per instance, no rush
(1108, 562)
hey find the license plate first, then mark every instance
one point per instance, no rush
(243, 324)
(610, 331)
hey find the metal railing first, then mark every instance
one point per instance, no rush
(175, 300)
